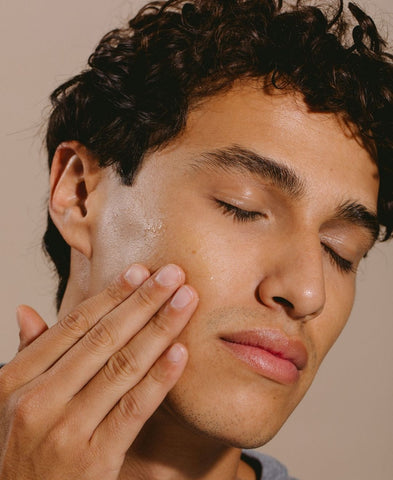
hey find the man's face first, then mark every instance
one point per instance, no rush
(282, 273)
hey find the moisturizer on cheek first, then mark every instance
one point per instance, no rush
(128, 230)
(153, 227)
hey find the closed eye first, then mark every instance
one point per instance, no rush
(345, 266)
(237, 213)
(241, 215)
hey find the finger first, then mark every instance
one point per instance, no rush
(31, 325)
(114, 331)
(123, 423)
(57, 340)
(129, 365)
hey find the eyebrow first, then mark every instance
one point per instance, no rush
(359, 215)
(242, 159)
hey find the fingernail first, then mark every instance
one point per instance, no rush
(136, 275)
(176, 353)
(168, 276)
(182, 297)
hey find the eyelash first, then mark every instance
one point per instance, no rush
(345, 266)
(242, 216)
(238, 214)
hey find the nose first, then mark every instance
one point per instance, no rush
(294, 280)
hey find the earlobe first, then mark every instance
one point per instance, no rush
(74, 175)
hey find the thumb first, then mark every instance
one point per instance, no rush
(31, 325)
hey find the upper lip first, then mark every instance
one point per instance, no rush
(273, 341)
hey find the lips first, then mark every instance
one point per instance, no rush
(269, 352)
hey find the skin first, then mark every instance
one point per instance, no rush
(274, 271)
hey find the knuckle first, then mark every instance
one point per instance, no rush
(67, 439)
(101, 337)
(116, 290)
(160, 326)
(131, 407)
(144, 298)
(75, 323)
(120, 366)
(58, 438)
(22, 408)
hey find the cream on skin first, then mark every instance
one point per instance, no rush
(273, 269)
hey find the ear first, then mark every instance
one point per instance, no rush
(74, 175)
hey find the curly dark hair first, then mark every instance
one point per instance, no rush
(142, 80)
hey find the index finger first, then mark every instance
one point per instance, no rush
(52, 344)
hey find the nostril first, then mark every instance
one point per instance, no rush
(283, 302)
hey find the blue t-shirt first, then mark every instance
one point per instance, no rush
(266, 467)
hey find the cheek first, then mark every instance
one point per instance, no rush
(122, 236)
(213, 263)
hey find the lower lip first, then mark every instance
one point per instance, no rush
(265, 363)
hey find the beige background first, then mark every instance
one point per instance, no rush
(343, 429)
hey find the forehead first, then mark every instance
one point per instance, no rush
(317, 146)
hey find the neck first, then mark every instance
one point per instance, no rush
(168, 450)
(77, 285)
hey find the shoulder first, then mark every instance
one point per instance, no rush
(271, 468)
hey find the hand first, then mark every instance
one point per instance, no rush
(73, 400)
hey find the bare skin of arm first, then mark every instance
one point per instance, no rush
(75, 397)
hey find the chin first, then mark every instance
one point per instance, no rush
(237, 420)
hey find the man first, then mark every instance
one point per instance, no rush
(236, 155)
